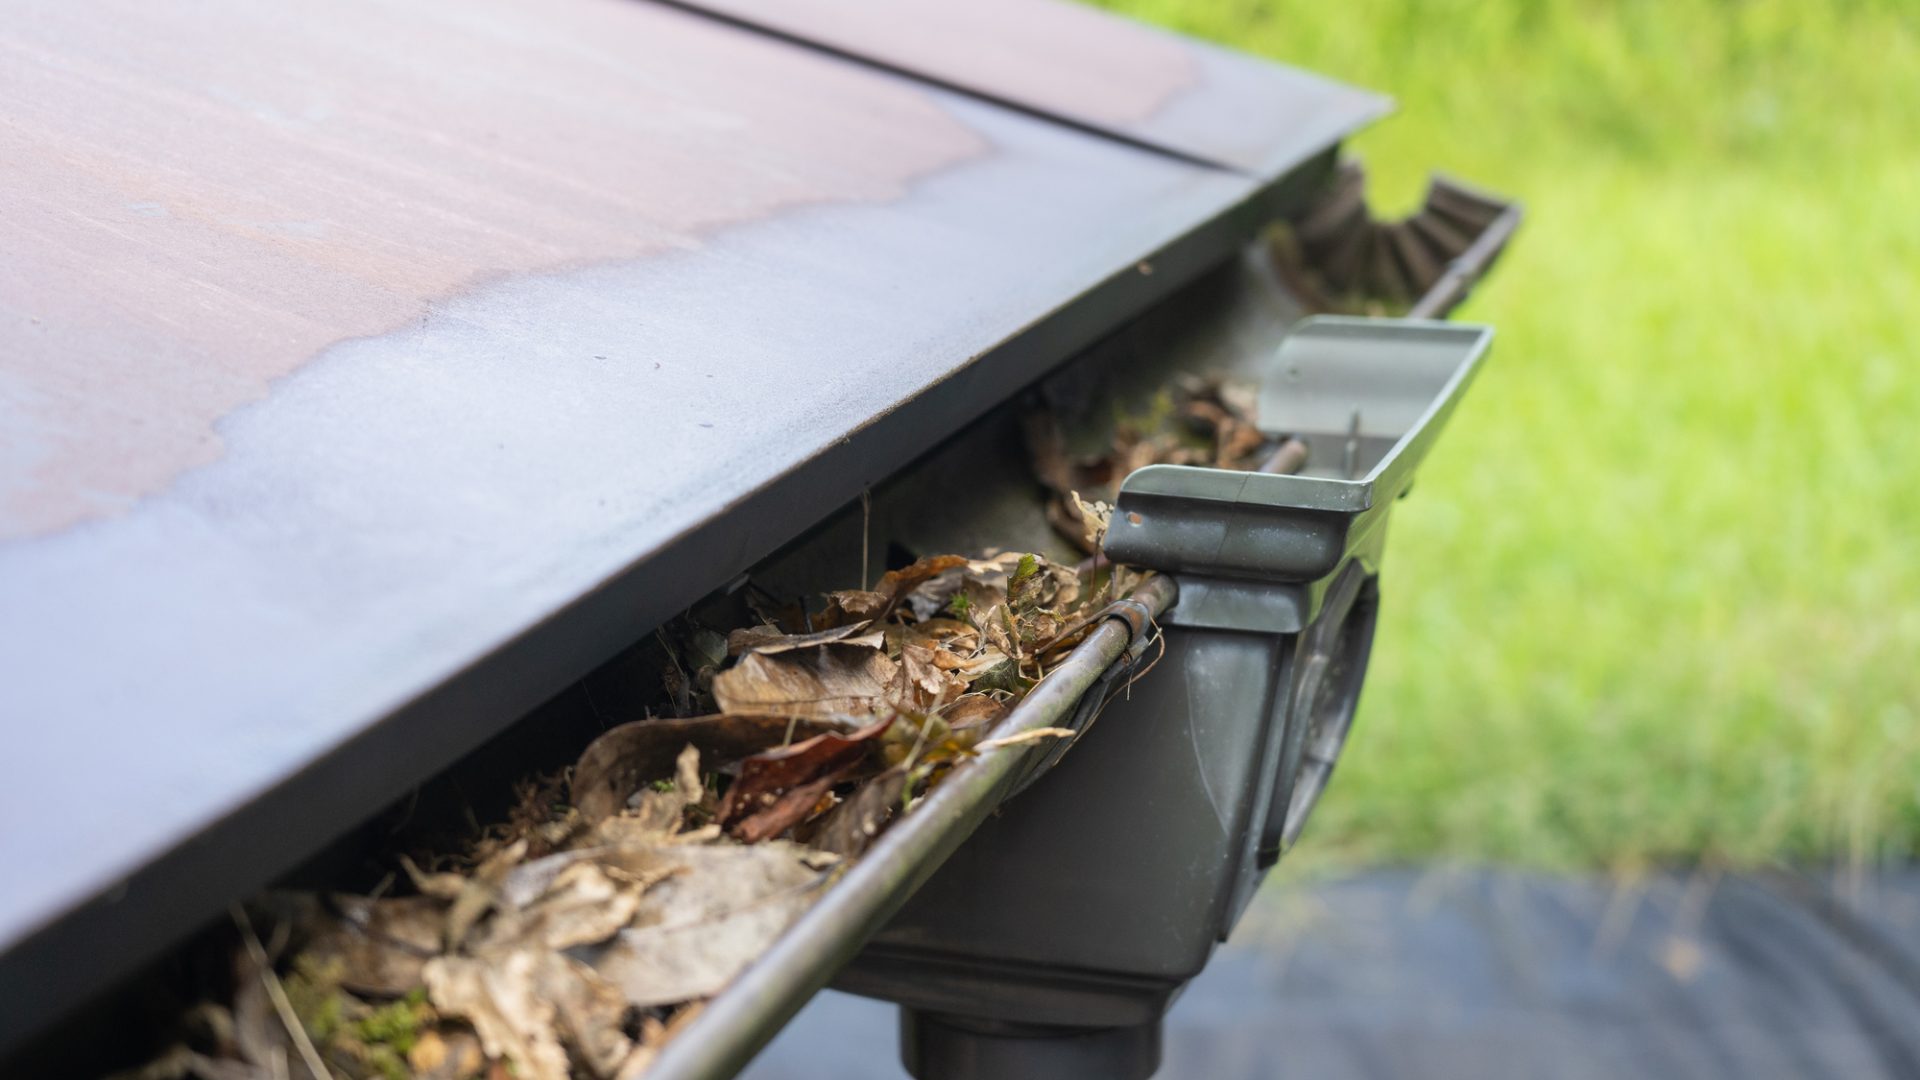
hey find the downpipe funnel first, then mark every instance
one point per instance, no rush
(1051, 943)
(935, 1046)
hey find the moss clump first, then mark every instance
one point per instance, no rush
(397, 1024)
(313, 989)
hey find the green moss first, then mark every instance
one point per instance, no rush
(396, 1024)
(1003, 676)
(1023, 585)
(313, 989)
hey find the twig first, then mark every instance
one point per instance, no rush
(1159, 638)
(1030, 735)
(278, 995)
(1290, 458)
(919, 743)
(1126, 688)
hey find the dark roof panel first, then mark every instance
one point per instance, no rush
(368, 371)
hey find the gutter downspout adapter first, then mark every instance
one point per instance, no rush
(1052, 943)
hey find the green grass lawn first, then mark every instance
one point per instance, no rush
(1657, 595)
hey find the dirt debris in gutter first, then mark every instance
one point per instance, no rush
(573, 938)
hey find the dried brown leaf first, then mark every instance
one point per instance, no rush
(628, 757)
(849, 827)
(786, 810)
(893, 590)
(665, 811)
(974, 711)
(588, 1011)
(771, 640)
(439, 885)
(758, 806)
(1001, 636)
(638, 857)
(698, 929)
(853, 606)
(925, 683)
(820, 683)
(502, 998)
(944, 633)
(381, 945)
(895, 583)
(446, 1054)
(1095, 518)
(582, 906)
(478, 893)
(975, 664)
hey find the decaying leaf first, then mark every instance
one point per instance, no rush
(503, 999)
(785, 810)
(818, 683)
(896, 583)
(697, 929)
(654, 1034)
(771, 640)
(894, 589)
(589, 1012)
(626, 758)
(439, 885)
(1003, 677)
(974, 711)
(950, 635)
(926, 683)
(1095, 518)
(640, 857)
(973, 664)
(850, 827)
(1201, 421)
(662, 808)
(446, 1055)
(477, 895)
(761, 802)
(380, 945)
(853, 606)
(584, 904)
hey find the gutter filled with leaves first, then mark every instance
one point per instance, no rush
(745, 852)
(663, 907)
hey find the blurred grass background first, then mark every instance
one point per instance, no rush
(1657, 595)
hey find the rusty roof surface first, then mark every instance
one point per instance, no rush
(369, 370)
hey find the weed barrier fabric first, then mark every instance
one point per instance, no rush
(1470, 975)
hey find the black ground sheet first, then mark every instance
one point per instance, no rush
(1451, 974)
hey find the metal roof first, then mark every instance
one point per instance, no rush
(1074, 64)
(370, 370)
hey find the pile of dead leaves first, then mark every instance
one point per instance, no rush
(574, 943)
(1207, 421)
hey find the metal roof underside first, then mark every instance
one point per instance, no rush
(370, 370)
